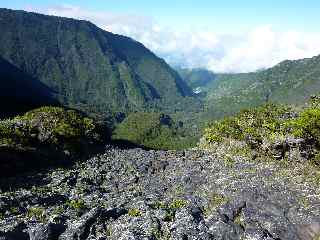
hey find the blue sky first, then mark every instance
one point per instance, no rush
(221, 15)
(224, 35)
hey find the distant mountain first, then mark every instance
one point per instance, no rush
(86, 67)
(198, 79)
(289, 82)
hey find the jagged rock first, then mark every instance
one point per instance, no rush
(50, 231)
(294, 149)
(230, 211)
(16, 233)
(81, 229)
(221, 231)
(189, 224)
(39, 232)
(253, 142)
(138, 194)
(309, 231)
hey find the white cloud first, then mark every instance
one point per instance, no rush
(261, 47)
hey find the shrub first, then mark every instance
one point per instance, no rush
(59, 122)
(307, 125)
(170, 208)
(314, 101)
(64, 129)
(134, 213)
(173, 208)
(270, 130)
(77, 204)
(177, 204)
(251, 125)
(215, 200)
(37, 213)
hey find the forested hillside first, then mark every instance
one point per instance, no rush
(290, 82)
(86, 67)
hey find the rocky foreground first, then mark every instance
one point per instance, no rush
(138, 194)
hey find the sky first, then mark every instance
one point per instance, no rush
(222, 36)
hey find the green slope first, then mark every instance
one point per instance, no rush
(290, 82)
(197, 79)
(155, 130)
(87, 67)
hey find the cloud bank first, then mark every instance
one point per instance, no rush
(262, 47)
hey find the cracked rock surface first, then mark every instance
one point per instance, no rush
(138, 194)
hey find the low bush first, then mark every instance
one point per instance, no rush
(250, 125)
(307, 125)
(45, 137)
(271, 129)
(64, 129)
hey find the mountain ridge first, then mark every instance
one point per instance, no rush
(288, 82)
(85, 65)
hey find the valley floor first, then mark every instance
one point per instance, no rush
(138, 194)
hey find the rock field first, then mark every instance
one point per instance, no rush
(178, 195)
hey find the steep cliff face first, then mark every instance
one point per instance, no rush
(86, 66)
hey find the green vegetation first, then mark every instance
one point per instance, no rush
(40, 190)
(170, 208)
(134, 212)
(159, 205)
(37, 213)
(45, 137)
(197, 79)
(307, 125)
(159, 234)
(267, 129)
(289, 82)
(14, 210)
(215, 201)
(58, 211)
(177, 204)
(239, 220)
(84, 67)
(76, 204)
(19, 92)
(107, 74)
(252, 125)
(64, 129)
(154, 130)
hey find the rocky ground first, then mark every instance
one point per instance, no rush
(138, 194)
